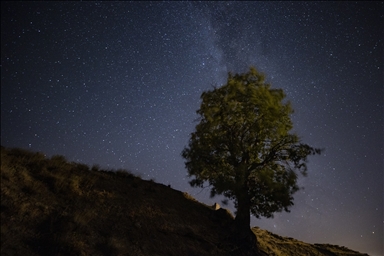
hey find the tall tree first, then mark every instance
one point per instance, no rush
(244, 148)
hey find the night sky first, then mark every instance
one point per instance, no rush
(118, 84)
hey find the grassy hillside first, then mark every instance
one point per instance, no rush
(53, 207)
(275, 245)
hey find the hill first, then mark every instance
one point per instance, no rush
(50, 206)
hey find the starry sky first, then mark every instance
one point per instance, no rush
(118, 84)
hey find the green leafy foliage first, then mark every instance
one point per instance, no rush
(243, 146)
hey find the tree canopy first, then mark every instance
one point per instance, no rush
(244, 148)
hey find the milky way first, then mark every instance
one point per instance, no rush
(118, 85)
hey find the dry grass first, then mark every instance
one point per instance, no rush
(52, 207)
(275, 245)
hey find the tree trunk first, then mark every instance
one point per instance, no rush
(241, 231)
(243, 215)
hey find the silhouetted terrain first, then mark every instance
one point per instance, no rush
(52, 207)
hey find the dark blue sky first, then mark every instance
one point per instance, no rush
(117, 84)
